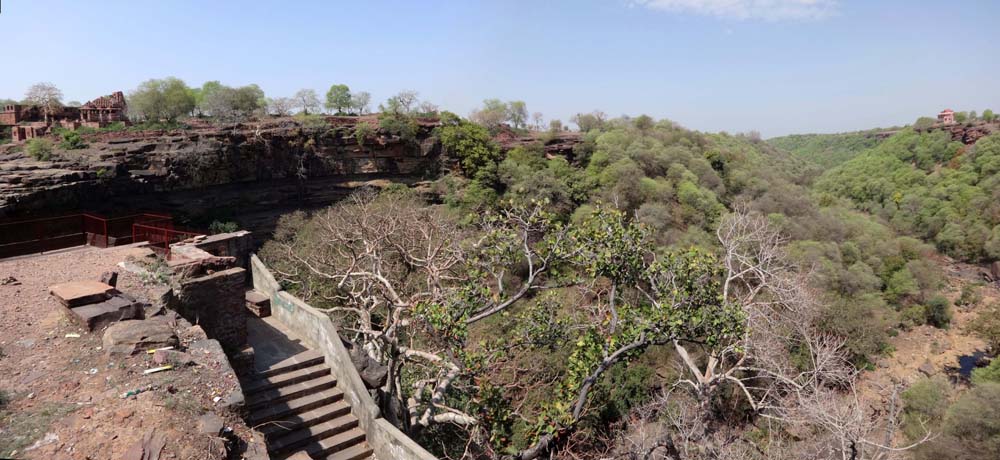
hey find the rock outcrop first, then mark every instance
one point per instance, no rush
(254, 169)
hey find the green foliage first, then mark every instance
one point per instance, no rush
(971, 295)
(902, 285)
(925, 403)
(39, 149)
(338, 99)
(971, 427)
(363, 132)
(928, 186)
(312, 121)
(71, 140)
(217, 227)
(230, 104)
(473, 146)
(987, 326)
(989, 116)
(939, 312)
(988, 374)
(166, 99)
(827, 150)
(398, 124)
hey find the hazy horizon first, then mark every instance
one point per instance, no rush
(777, 66)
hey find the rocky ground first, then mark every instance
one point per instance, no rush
(928, 351)
(63, 397)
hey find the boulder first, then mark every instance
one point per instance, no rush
(927, 369)
(130, 337)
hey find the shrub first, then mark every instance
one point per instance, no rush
(925, 403)
(40, 149)
(987, 326)
(71, 140)
(938, 312)
(363, 131)
(912, 316)
(970, 296)
(989, 373)
(222, 227)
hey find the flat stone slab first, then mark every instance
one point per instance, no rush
(130, 337)
(98, 315)
(79, 293)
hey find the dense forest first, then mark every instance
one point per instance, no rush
(663, 293)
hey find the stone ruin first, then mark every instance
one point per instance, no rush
(28, 122)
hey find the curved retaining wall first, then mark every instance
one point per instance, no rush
(318, 330)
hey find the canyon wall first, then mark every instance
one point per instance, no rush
(250, 173)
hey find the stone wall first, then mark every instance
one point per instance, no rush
(321, 334)
(236, 244)
(216, 302)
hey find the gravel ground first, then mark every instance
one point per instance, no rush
(61, 397)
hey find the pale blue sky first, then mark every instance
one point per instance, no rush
(777, 66)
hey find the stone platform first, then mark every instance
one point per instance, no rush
(95, 305)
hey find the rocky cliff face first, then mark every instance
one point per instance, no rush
(250, 171)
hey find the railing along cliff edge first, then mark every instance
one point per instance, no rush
(318, 330)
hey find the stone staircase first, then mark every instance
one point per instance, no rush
(296, 404)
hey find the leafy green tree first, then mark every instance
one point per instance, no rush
(232, 104)
(643, 122)
(589, 121)
(517, 114)
(988, 115)
(165, 99)
(338, 99)
(472, 145)
(492, 115)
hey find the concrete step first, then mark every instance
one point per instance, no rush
(276, 395)
(355, 452)
(309, 418)
(295, 406)
(335, 444)
(305, 359)
(285, 379)
(305, 435)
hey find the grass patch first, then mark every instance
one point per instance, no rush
(21, 429)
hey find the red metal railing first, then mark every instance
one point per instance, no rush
(28, 236)
(160, 234)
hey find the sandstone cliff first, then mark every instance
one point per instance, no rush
(255, 171)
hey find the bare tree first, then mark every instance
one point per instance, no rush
(362, 102)
(281, 106)
(536, 121)
(780, 315)
(391, 266)
(307, 100)
(46, 96)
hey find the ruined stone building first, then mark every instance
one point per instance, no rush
(946, 116)
(28, 121)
